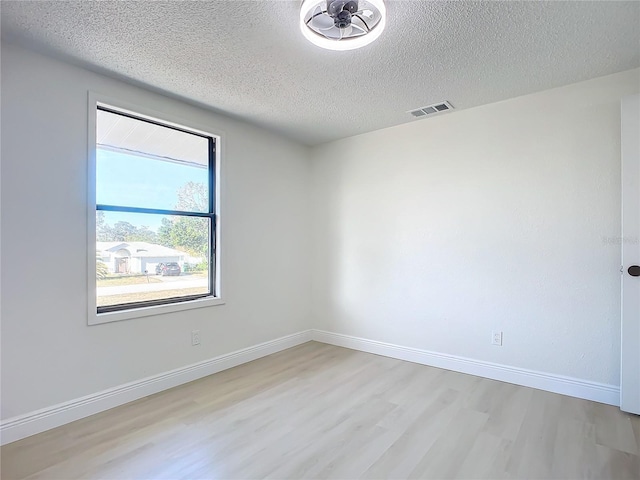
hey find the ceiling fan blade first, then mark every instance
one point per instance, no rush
(345, 32)
(365, 19)
(321, 20)
(365, 13)
(333, 33)
(328, 27)
(359, 28)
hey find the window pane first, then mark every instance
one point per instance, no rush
(142, 257)
(140, 164)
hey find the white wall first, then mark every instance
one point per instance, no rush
(49, 354)
(502, 217)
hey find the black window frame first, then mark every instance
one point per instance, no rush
(211, 215)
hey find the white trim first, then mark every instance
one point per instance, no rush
(31, 423)
(93, 318)
(154, 310)
(574, 387)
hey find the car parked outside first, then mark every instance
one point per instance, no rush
(169, 268)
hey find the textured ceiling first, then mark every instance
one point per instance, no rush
(249, 59)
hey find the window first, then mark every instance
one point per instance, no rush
(155, 216)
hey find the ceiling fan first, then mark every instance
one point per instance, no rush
(342, 24)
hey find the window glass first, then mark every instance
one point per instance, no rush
(141, 164)
(143, 257)
(154, 213)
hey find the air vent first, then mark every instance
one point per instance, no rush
(431, 109)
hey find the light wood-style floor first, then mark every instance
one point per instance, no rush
(320, 411)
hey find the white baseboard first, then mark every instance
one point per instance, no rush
(574, 387)
(31, 423)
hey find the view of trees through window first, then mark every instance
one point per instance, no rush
(188, 234)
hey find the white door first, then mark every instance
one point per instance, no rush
(630, 343)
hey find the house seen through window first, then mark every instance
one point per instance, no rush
(155, 212)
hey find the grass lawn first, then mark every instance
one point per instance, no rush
(145, 296)
(118, 280)
(126, 280)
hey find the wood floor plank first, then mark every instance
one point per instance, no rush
(404, 455)
(575, 449)
(532, 453)
(614, 430)
(487, 458)
(319, 411)
(616, 464)
(507, 410)
(442, 460)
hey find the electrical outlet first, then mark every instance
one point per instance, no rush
(195, 337)
(496, 338)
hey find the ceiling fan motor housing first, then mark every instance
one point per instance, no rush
(341, 11)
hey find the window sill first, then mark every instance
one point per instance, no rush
(99, 318)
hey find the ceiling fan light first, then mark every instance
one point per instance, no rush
(330, 42)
